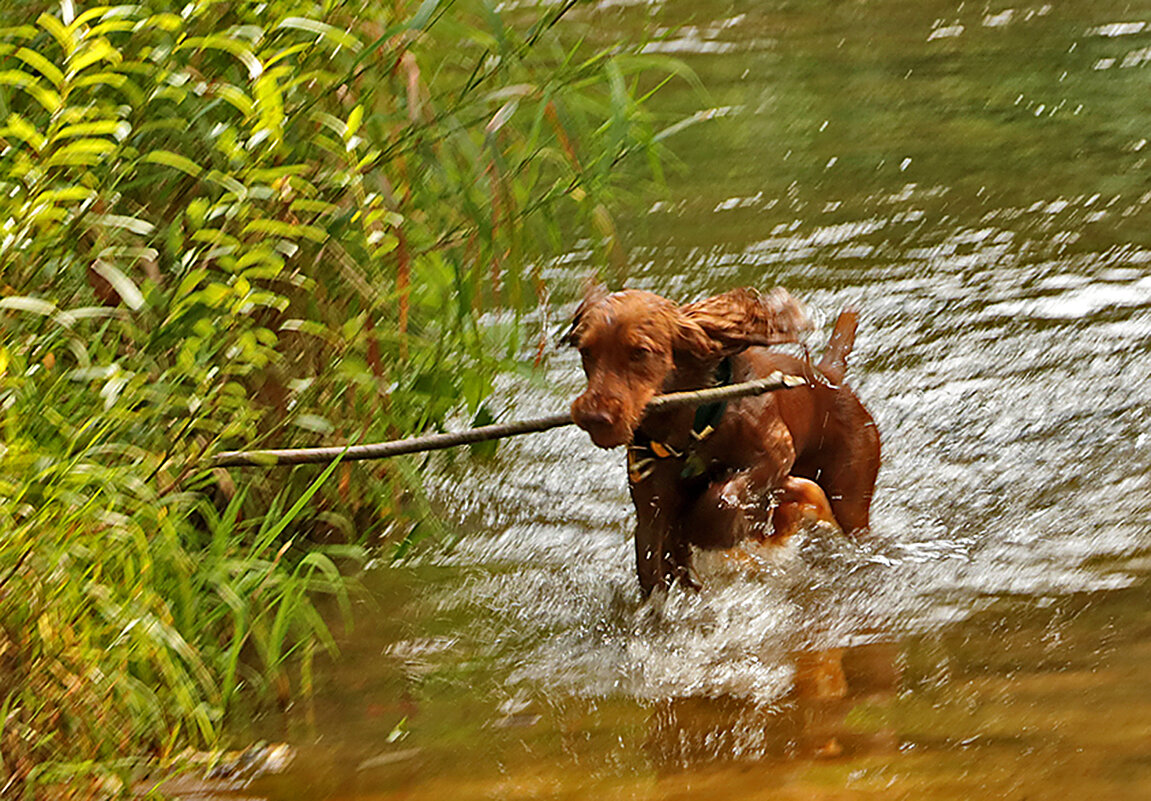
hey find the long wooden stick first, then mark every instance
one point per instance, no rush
(435, 442)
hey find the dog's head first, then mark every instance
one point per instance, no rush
(632, 342)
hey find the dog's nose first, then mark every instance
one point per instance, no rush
(602, 418)
(593, 418)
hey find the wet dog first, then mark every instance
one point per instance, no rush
(751, 469)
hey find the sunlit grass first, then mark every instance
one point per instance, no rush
(230, 224)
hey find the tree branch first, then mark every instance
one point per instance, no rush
(434, 442)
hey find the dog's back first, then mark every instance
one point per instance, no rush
(835, 438)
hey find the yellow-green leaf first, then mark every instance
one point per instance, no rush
(215, 293)
(48, 98)
(355, 119)
(41, 64)
(228, 182)
(93, 52)
(19, 32)
(118, 129)
(46, 215)
(214, 236)
(270, 102)
(113, 26)
(60, 33)
(114, 79)
(313, 206)
(99, 11)
(287, 230)
(190, 281)
(260, 255)
(287, 53)
(20, 128)
(86, 152)
(237, 97)
(175, 161)
(165, 22)
(235, 48)
(323, 30)
(305, 327)
(71, 194)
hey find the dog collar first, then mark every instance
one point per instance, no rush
(645, 453)
(707, 416)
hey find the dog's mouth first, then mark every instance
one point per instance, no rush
(604, 433)
(607, 428)
(608, 438)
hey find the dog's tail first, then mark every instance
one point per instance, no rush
(834, 361)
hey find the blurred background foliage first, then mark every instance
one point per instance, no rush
(228, 224)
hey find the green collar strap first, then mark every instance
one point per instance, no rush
(708, 415)
(644, 453)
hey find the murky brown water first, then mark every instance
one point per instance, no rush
(974, 178)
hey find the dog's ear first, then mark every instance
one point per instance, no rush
(690, 337)
(744, 317)
(594, 293)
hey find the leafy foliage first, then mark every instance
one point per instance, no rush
(227, 222)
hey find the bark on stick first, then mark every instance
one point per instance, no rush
(435, 442)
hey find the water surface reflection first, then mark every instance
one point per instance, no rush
(973, 178)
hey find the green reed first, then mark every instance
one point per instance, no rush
(229, 224)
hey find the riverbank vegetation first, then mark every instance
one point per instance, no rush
(227, 224)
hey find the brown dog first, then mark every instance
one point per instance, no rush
(711, 477)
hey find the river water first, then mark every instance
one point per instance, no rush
(973, 178)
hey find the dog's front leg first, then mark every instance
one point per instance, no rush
(661, 557)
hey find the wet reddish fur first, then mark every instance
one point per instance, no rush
(774, 460)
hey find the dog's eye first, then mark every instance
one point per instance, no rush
(639, 353)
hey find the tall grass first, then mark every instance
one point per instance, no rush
(227, 223)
